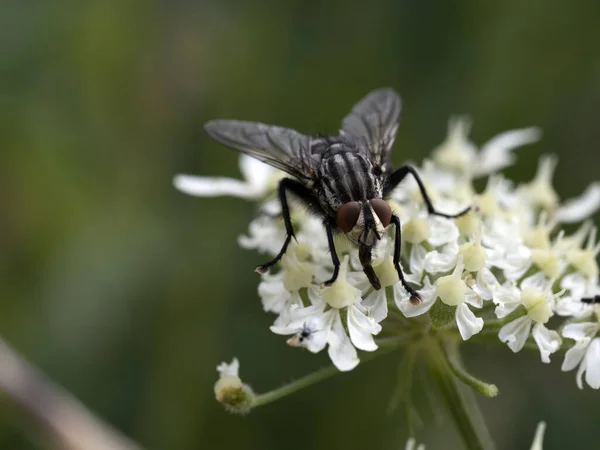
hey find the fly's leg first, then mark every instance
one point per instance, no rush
(297, 188)
(334, 256)
(415, 297)
(395, 178)
(591, 300)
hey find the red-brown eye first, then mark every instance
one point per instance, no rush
(347, 216)
(383, 210)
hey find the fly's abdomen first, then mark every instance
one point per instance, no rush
(348, 176)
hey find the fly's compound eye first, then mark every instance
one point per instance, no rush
(383, 210)
(347, 216)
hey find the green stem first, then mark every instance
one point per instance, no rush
(493, 326)
(459, 400)
(319, 375)
(455, 363)
(300, 383)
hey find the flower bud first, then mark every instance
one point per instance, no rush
(467, 224)
(537, 304)
(540, 189)
(548, 262)
(234, 395)
(452, 289)
(297, 273)
(386, 272)
(474, 256)
(341, 293)
(416, 231)
(584, 260)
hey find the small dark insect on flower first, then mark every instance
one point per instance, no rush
(591, 300)
(343, 178)
(304, 333)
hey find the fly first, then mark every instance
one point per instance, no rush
(344, 178)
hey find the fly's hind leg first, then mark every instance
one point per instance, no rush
(395, 178)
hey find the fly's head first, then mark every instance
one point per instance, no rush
(364, 222)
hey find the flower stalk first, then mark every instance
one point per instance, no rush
(459, 401)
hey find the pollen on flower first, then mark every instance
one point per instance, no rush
(537, 304)
(341, 293)
(416, 230)
(452, 289)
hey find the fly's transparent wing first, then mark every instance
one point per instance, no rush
(375, 120)
(283, 148)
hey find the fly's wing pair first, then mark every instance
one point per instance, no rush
(373, 121)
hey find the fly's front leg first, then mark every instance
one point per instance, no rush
(399, 175)
(297, 188)
(591, 300)
(334, 256)
(415, 297)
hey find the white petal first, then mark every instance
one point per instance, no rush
(264, 234)
(443, 231)
(362, 329)
(507, 298)
(256, 173)
(538, 439)
(580, 331)
(341, 351)
(473, 299)
(468, 323)
(402, 299)
(376, 304)
(299, 316)
(548, 341)
(273, 295)
(442, 261)
(571, 306)
(576, 283)
(582, 207)
(416, 264)
(212, 186)
(411, 444)
(316, 341)
(515, 262)
(515, 333)
(319, 328)
(537, 281)
(574, 356)
(231, 370)
(486, 284)
(497, 154)
(592, 374)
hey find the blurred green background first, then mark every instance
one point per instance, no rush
(129, 293)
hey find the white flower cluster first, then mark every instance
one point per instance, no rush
(506, 264)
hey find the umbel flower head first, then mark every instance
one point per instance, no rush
(500, 273)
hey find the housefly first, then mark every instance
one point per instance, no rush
(343, 178)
